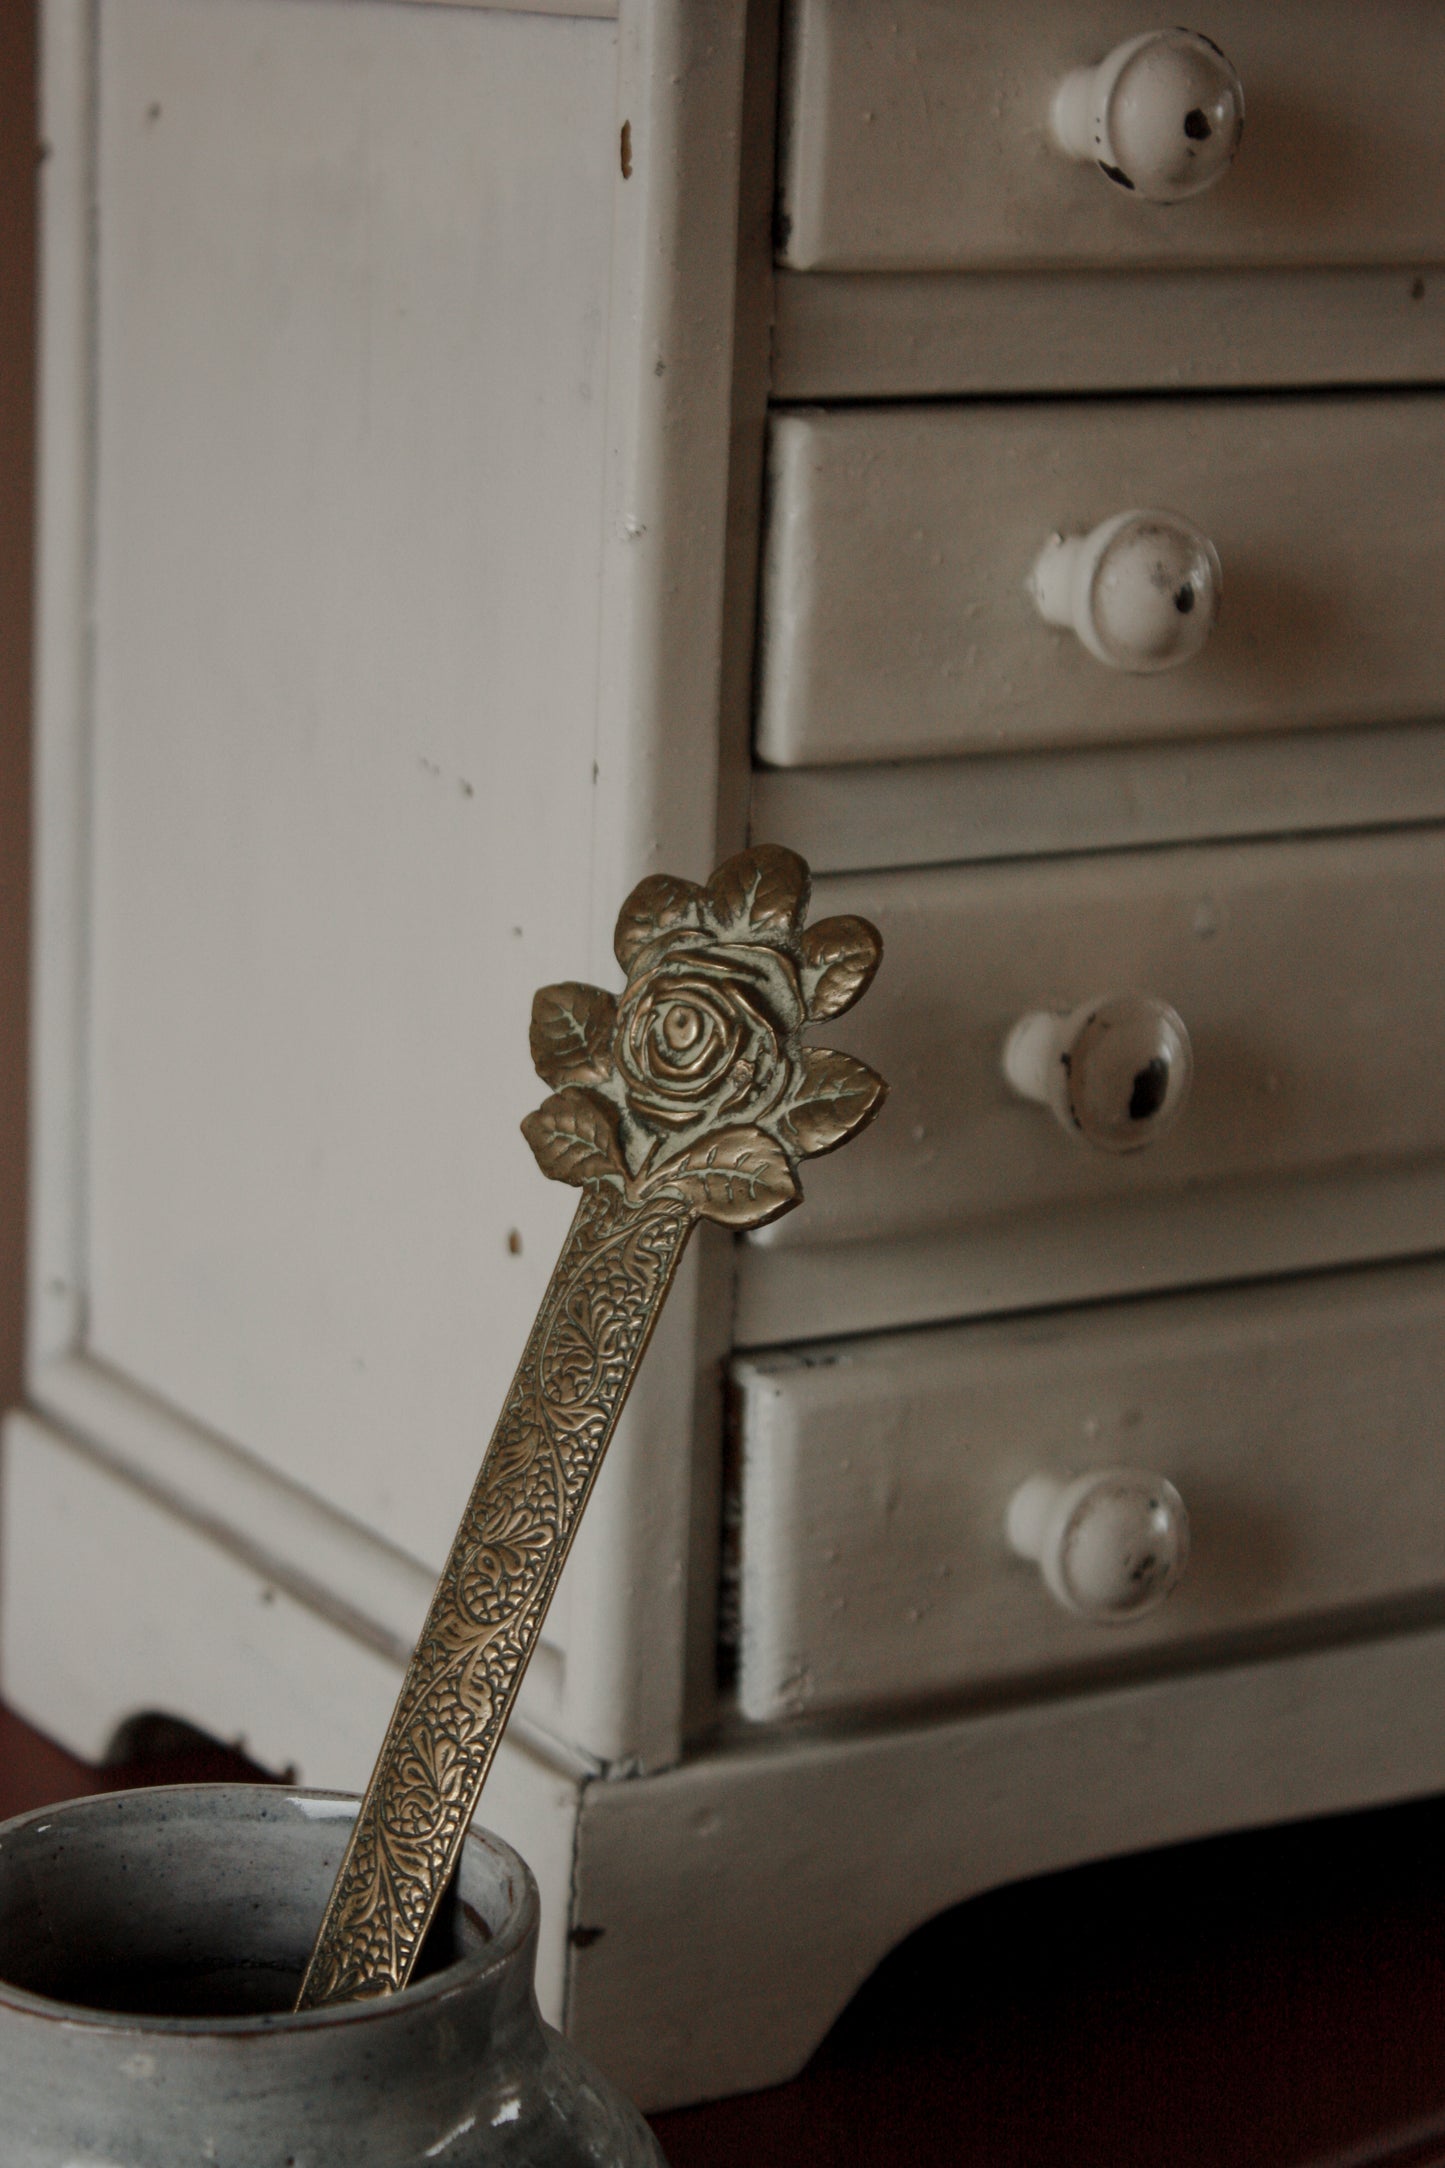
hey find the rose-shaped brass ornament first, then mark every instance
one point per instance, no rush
(688, 1096)
(695, 1082)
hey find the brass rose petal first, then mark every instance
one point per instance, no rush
(574, 1135)
(764, 890)
(839, 958)
(571, 1034)
(655, 905)
(739, 1177)
(833, 1100)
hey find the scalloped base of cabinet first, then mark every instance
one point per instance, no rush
(669, 1974)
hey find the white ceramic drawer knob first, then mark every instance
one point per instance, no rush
(1161, 117)
(1115, 1072)
(1111, 1546)
(1141, 591)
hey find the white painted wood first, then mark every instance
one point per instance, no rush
(905, 1821)
(111, 1607)
(433, 436)
(1301, 1423)
(1302, 972)
(1017, 805)
(897, 616)
(660, 687)
(606, 9)
(1245, 1229)
(350, 1575)
(869, 336)
(747, 438)
(55, 1307)
(845, 1843)
(349, 512)
(335, 1565)
(917, 138)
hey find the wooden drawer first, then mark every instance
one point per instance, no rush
(897, 621)
(1309, 975)
(1302, 1424)
(916, 138)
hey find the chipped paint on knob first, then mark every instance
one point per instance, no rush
(1161, 117)
(1114, 1072)
(1141, 590)
(1111, 1545)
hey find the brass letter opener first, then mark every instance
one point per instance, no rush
(688, 1097)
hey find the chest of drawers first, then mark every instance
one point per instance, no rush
(1311, 1136)
(917, 138)
(898, 618)
(878, 1474)
(493, 453)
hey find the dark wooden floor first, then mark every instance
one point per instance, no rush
(1269, 2001)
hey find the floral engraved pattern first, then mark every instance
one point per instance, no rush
(490, 1602)
(688, 1096)
(693, 1081)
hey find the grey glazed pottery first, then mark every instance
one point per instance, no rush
(199, 1902)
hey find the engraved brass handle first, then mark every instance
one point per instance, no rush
(1111, 1545)
(1115, 1073)
(688, 1096)
(1161, 117)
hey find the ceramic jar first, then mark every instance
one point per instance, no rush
(200, 1902)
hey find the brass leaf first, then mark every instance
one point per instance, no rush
(740, 1178)
(655, 905)
(571, 1034)
(764, 890)
(574, 1136)
(836, 1096)
(840, 956)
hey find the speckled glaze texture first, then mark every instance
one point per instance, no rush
(207, 1897)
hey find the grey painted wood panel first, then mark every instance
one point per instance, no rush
(846, 1841)
(1019, 805)
(868, 335)
(897, 621)
(916, 138)
(379, 444)
(1307, 973)
(876, 1476)
(350, 376)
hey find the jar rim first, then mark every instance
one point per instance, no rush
(466, 1973)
